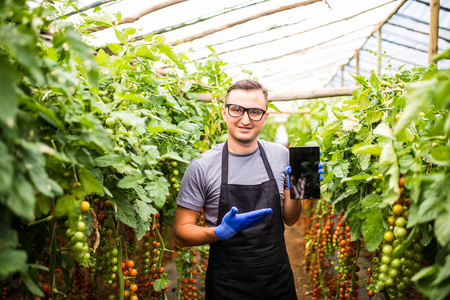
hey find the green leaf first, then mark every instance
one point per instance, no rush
(273, 106)
(11, 261)
(64, 205)
(363, 100)
(121, 36)
(112, 160)
(101, 57)
(89, 183)
(8, 236)
(374, 116)
(371, 201)
(370, 149)
(135, 98)
(115, 48)
(130, 181)
(21, 200)
(373, 229)
(103, 18)
(363, 160)
(442, 230)
(8, 95)
(161, 283)
(159, 189)
(31, 280)
(167, 50)
(383, 130)
(7, 169)
(388, 155)
(144, 210)
(34, 159)
(441, 154)
(375, 81)
(341, 170)
(125, 211)
(358, 177)
(144, 51)
(141, 228)
(174, 156)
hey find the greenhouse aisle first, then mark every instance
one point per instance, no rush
(294, 236)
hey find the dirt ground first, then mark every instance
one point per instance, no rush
(294, 236)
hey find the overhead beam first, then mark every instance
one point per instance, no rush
(242, 21)
(294, 95)
(134, 17)
(302, 32)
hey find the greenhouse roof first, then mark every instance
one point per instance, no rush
(287, 44)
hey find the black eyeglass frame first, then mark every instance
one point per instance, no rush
(245, 110)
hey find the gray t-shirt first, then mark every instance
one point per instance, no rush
(200, 188)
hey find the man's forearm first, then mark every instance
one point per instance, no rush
(291, 210)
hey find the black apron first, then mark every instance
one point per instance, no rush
(254, 263)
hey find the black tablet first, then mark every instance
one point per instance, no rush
(305, 178)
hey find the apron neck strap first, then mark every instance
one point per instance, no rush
(225, 153)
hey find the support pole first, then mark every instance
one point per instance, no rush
(357, 63)
(294, 95)
(379, 50)
(434, 30)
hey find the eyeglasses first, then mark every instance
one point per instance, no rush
(255, 114)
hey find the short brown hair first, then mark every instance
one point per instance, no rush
(248, 85)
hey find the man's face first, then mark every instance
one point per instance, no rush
(242, 129)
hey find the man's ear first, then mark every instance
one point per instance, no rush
(265, 118)
(224, 110)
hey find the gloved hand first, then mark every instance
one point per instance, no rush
(232, 222)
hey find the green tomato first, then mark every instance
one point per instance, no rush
(385, 259)
(418, 257)
(409, 253)
(384, 268)
(79, 236)
(396, 263)
(78, 246)
(175, 172)
(400, 232)
(110, 122)
(418, 247)
(81, 226)
(387, 249)
(174, 164)
(393, 273)
(388, 281)
(400, 222)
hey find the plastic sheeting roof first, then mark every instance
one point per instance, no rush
(288, 44)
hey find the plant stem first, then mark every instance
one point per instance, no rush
(46, 219)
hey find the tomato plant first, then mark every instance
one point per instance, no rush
(386, 152)
(94, 145)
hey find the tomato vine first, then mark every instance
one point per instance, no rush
(387, 155)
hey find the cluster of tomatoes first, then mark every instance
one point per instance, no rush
(395, 266)
(347, 266)
(319, 248)
(129, 274)
(76, 237)
(83, 290)
(173, 172)
(151, 259)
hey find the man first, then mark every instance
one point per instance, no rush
(240, 185)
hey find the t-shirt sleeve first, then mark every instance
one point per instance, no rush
(192, 189)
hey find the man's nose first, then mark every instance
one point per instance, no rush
(245, 117)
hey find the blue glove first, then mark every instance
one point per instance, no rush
(232, 223)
